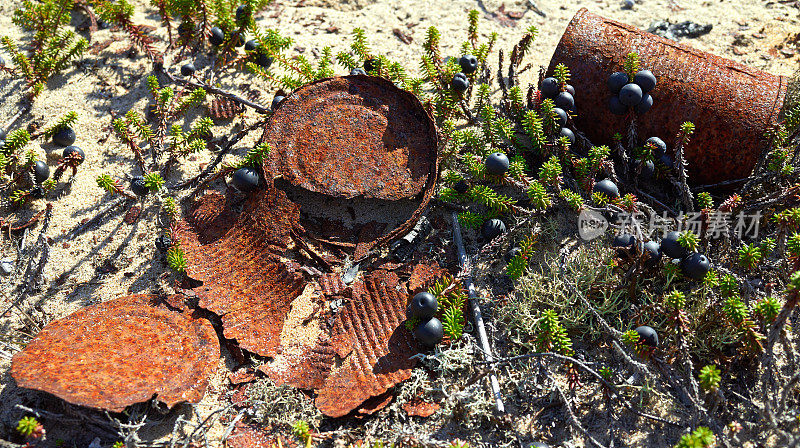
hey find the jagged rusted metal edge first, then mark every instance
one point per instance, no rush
(224, 109)
(374, 347)
(353, 136)
(237, 259)
(731, 104)
(119, 353)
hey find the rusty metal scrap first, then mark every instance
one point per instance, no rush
(375, 348)
(121, 352)
(353, 136)
(236, 258)
(731, 104)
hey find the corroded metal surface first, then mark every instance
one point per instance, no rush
(375, 348)
(121, 352)
(353, 136)
(244, 280)
(731, 105)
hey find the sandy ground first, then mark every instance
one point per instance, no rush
(104, 85)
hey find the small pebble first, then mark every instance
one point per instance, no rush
(6, 266)
(628, 4)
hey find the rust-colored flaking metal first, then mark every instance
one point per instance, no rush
(121, 352)
(244, 280)
(353, 136)
(732, 105)
(375, 348)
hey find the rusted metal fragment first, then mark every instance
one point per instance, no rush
(306, 369)
(370, 232)
(731, 104)
(224, 109)
(247, 436)
(424, 275)
(244, 282)
(418, 407)
(121, 352)
(374, 347)
(375, 404)
(353, 136)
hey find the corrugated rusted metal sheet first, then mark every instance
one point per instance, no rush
(244, 280)
(121, 352)
(732, 105)
(374, 345)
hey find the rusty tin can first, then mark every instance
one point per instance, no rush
(731, 105)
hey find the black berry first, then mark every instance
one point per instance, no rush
(567, 132)
(647, 335)
(616, 107)
(652, 253)
(617, 81)
(185, 29)
(242, 12)
(263, 60)
(163, 243)
(560, 116)
(550, 88)
(430, 332)
(695, 266)
(277, 101)
(460, 83)
(217, 36)
(40, 171)
(569, 89)
(644, 105)
(370, 65)
(246, 179)
(37, 192)
(64, 136)
(357, 71)
(75, 152)
(630, 95)
(661, 147)
(468, 63)
(492, 229)
(623, 243)
(665, 160)
(671, 247)
(645, 79)
(608, 188)
(565, 101)
(513, 252)
(461, 187)
(496, 164)
(251, 45)
(138, 186)
(187, 69)
(423, 306)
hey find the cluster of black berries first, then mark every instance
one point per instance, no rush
(469, 64)
(626, 93)
(424, 306)
(564, 98)
(693, 264)
(217, 37)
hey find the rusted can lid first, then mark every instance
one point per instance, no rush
(353, 136)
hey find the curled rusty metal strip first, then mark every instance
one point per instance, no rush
(732, 105)
(119, 353)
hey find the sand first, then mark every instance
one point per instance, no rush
(119, 258)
